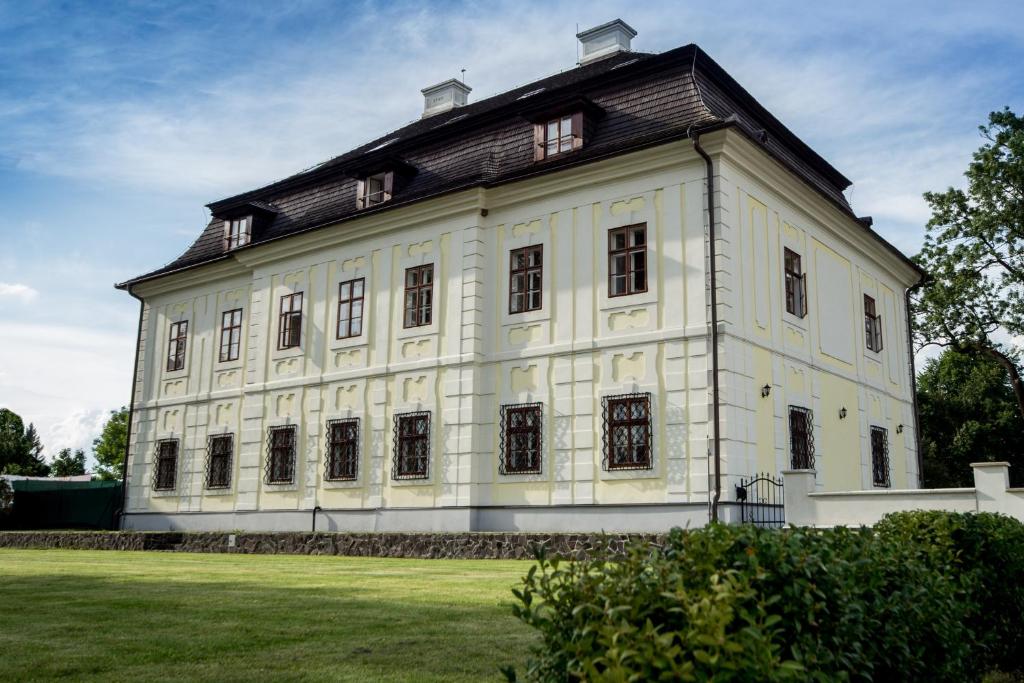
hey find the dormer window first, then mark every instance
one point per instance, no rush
(559, 135)
(238, 231)
(375, 189)
(562, 126)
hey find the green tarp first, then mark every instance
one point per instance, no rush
(63, 505)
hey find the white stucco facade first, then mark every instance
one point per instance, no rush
(580, 347)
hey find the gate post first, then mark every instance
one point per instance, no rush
(800, 507)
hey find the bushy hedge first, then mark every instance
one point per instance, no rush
(923, 596)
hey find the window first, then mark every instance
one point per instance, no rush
(796, 285)
(342, 450)
(419, 294)
(350, 308)
(237, 232)
(280, 466)
(872, 325)
(558, 135)
(627, 432)
(176, 346)
(289, 326)
(412, 446)
(218, 461)
(801, 438)
(166, 470)
(230, 334)
(520, 439)
(525, 276)
(627, 260)
(374, 189)
(880, 457)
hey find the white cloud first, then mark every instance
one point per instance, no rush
(64, 379)
(17, 291)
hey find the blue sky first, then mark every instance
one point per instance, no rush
(119, 122)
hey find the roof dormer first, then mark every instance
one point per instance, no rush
(378, 179)
(243, 221)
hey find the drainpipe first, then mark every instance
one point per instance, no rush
(913, 379)
(131, 414)
(713, 285)
(316, 509)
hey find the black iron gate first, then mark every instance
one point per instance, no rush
(762, 501)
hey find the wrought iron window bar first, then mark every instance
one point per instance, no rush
(521, 439)
(411, 457)
(627, 443)
(342, 462)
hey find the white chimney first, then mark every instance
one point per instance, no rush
(444, 96)
(605, 40)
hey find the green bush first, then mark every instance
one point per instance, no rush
(906, 601)
(984, 553)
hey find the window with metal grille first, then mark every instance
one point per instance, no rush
(872, 325)
(627, 260)
(525, 277)
(280, 466)
(627, 432)
(166, 467)
(880, 457)
(219, 450)
(350, 308)
(412, 446)
(419, 295)
(374, 189)
(801, 438)
(289, 325)
(176, 341)
(521, 431)
(342, 450)
(230, 334)
(236, 232)
(796, 285)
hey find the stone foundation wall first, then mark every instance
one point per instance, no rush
(481, 546)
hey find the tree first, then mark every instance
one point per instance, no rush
(109, 448)
(974, 253)
(20, 449)
(968, 413)
(68, 464)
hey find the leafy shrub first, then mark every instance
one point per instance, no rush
(984, 553)
(742, 603)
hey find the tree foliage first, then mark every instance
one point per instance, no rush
(20, 449)
(974, 252)
(109, 447)
(68, 464)
(968, 413)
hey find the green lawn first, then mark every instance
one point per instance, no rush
(180, 616)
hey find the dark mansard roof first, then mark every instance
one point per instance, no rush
(644, 99)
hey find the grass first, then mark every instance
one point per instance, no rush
(178, 616)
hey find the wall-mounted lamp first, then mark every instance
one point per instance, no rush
(842, 413)
(899, 429)
(765, 390)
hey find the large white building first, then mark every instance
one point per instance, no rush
(505, 316)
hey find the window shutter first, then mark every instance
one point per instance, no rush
(538, 142)
(389, 184)
(360, 193)
(577, 130)
(803, 296)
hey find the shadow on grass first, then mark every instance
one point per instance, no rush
(90, 627)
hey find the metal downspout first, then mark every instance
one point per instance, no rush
(713, 285)
(913, 381)
(131, 414)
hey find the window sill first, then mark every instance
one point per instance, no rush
(226, 491)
